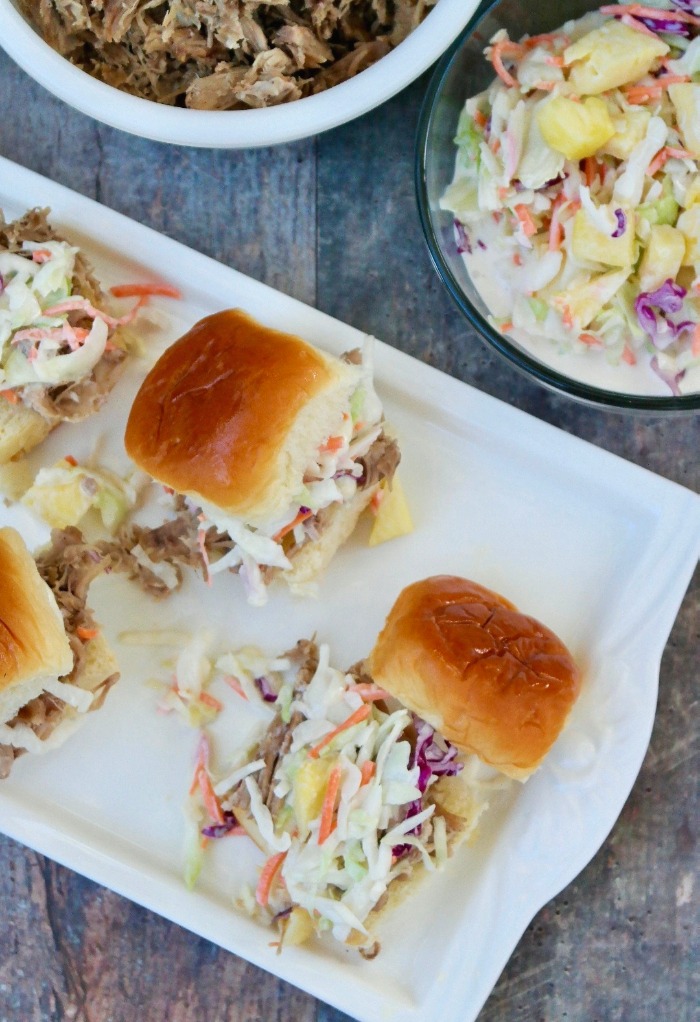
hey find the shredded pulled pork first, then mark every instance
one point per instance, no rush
(278, 737)
(69, 402)
(178, 543)
(68, 566)
(224, 54)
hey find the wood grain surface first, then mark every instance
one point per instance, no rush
(333, 222)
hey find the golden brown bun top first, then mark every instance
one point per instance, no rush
(212, 416)
(33, 640)
(493, 681)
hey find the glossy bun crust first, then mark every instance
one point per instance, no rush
(493, 681)
(33, 642)
(212, 416)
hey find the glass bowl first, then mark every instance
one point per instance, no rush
(461, 73)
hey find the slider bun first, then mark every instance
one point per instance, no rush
(33, 642)
(493, 681)
(233, 412)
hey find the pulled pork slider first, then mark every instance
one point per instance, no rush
(60, 352)
(366, 780)
(493, 681)
(55, 665)
(273, 447)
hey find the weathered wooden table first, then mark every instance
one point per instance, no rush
(333, 222)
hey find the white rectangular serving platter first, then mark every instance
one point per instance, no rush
(599, 549)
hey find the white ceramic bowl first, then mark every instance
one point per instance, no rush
(234, 129)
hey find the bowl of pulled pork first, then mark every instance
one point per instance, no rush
(227, 73)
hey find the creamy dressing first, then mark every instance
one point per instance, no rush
(494, 277)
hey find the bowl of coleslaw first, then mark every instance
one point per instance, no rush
(558, 184)
(228, 75)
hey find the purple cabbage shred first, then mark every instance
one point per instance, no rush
(462, 239)
(621, 223)
(653, 310)
(432, 760)
(669, 379)
(2, 283)
(481, 244)
(266, 690)
(688, 6)
(221, 829)
(662, 24)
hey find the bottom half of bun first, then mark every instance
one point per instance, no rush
(45, 721)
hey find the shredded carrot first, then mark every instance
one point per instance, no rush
(639, 11)
(525, 217)
(480, 118)
(327, 824)
(145, 290)
(505, 327)
(590, 169)
(517, 259)
(695, 346)
(10, 396)
(360, 714)
(567, 317)
(505, 48)
(377, 500)
(368, 771)
(71, 460)
(667, 153)
(495, 145)
(544, 86)
(637, 25)
(333, 443)
(629, 356)
(301, 517)
(235, 684)
(591, 340)
(554, 61)
(502, 192)
(87, 633)
(546, 37)
(210, 700)
(370, 693)
(41, 255)
(639, 94)
(267, 877)
(211, 802)
(556, 231)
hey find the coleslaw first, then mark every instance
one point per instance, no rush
(344, 793)
(578, 173)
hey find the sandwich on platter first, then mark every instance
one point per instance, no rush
(60, 349)
(55, 664)
(368, 779)
(270, 447)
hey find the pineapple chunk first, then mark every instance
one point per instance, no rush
(630, 128)
(686, 100)
(611, 56)
(689, 223)
(299, 927)
(589, 244)
(692, 193)
(393, 518)
(581, 303)
(64, 502)
(309, 789)
(662, 257)
(575, 129)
